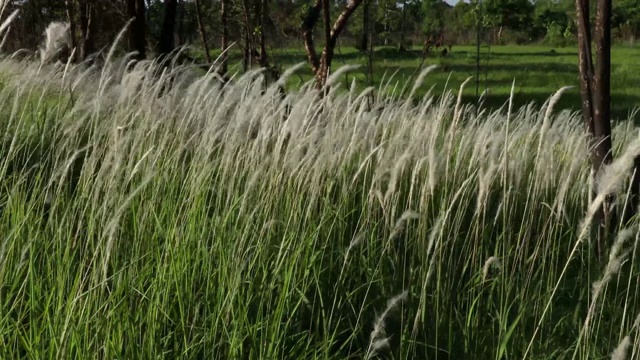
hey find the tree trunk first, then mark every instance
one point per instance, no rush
(321, 66)
(137, 36)
(602, 84)
(387, 27)
(246, 58)
(401, 47)
(596, 100)
(327, 52)
(84, 28)
(364, 45)
(88, 34)
(264, 19)
(203, 34)
(223, 39)
(166, 42)
(260, 18)
(72, 23)
(181, 10)
(370, 53)
(308, 24)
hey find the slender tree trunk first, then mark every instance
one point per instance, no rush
(322, 65)
(72, 23)
(84, 28)
(181, 10)
(364, 45)
(137, 32)
(602, 83)
(264, 19)
(248, 46)
(167, 33)
(308, 24)
(596, 100)
(401, 47)
(327, 52)
(88, 36)
(223, 39)
(203, 34)
(367, 40)
(387, 27)
(370, 53)
(261, 19)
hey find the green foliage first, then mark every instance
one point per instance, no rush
(434, 13)
(513, 14)
(626, 19)
(555, 34)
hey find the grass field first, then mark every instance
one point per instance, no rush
(168, 217)
(538, 71)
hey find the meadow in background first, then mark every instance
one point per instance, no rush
(150, 212)
(538, 71)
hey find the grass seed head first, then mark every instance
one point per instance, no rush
(620, 353)
(491, 263)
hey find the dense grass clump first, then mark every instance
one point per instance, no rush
(154, 213)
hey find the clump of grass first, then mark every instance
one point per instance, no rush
(379, 339)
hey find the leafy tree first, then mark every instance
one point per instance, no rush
(462, 22)
(434, 14)
(510, 14)
(137, 40)
(626, 19)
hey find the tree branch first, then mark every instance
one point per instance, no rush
(307, 33)
(341, 22)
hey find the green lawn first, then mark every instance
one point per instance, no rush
(538, 71)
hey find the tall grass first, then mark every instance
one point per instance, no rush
(153, 213)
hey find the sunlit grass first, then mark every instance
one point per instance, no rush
(165, 216)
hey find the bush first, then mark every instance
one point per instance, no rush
(555, 35)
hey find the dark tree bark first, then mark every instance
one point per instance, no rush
(595, 87)
(137, 32)
(203, 33)
(181, 11)
(370, 48)
(248, 47)
(224, 38)
(364, 41)
(87, 28)
(167, 33)
(72, 22)
(256, 24)
(264, 19)
(322, 65)
(307, 34)
(401, 46)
